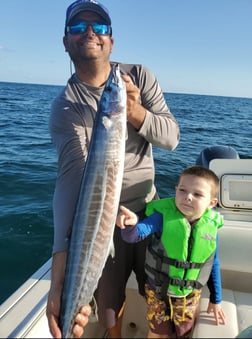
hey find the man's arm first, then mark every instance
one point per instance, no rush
(54, 296)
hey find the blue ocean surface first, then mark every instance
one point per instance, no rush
(28, 165)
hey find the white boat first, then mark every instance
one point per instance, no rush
(22, 315)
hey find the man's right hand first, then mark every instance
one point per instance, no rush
(52, 312)
(54, 300)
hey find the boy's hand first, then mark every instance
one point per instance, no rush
(126, 218)
(217, 311)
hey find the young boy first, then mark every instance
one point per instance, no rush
(182, 255)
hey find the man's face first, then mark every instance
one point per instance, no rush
(88, 45)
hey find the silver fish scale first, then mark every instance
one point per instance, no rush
(92, 233)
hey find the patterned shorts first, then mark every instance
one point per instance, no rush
(174, 316)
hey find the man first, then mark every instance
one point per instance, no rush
(88, 41)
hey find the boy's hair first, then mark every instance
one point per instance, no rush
(206, 174)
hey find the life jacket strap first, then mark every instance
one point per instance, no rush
(161, 258)
(191, 284)
(162, 282)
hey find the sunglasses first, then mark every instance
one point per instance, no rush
(82, 27)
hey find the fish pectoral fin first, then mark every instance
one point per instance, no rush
(112, 249)
(126, 134)
(94, 311)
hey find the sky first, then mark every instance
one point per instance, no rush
(191, 46)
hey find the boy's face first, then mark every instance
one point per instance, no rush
(193, 196)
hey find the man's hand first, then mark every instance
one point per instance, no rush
(54, 300)
(135, 111)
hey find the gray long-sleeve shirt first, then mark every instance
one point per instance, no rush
(71, 121)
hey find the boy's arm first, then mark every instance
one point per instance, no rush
(214, 281)
(215, 288)
(137, 230)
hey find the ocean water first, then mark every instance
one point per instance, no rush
(28, 165)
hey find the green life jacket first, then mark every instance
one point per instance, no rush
(182, 260)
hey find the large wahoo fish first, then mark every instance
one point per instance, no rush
(94, 221)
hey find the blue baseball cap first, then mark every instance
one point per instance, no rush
(87, 5)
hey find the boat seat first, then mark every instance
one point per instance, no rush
(235, 253)
(238, 310)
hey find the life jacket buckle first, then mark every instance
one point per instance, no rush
(182, 264)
